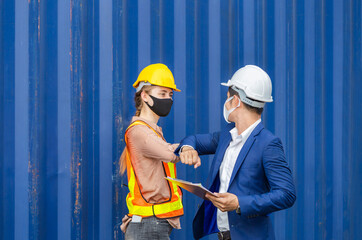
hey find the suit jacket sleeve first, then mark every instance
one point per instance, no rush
(279, 177)
(202, 143)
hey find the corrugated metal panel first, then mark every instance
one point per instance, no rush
(66, 69)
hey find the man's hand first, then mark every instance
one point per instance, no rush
(224, 201)
(190, 156)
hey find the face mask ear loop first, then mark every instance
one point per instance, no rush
(147, 101)
(232, 109)
(238, 102)
(229, 99)
(226, 112)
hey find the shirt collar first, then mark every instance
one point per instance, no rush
(244, 135)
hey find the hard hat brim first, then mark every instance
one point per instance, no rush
(227, 84)
(175, 89)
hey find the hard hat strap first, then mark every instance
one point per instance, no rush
(247, 100)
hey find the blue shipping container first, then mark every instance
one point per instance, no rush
(66, 97)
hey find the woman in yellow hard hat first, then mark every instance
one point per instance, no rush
(154, 204)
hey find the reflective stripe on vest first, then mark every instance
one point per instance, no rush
(137, 204)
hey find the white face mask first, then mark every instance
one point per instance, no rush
(228, 112)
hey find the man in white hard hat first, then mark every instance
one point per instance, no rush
(249, 173)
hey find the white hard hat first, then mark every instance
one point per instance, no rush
(252, 83)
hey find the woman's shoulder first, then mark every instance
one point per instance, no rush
(138, 130)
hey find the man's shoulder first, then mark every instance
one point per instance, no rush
(267, 133)
(264, 140)
(267, 136)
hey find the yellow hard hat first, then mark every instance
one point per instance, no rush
(156, 74)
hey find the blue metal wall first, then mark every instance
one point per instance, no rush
(66, 70)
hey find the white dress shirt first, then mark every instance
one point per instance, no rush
(227, 167)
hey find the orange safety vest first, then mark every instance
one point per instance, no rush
(137, 204)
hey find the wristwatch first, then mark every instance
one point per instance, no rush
(238, 210)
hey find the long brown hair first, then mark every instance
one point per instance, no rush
(139, 104)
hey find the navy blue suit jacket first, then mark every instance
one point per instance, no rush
(261, 180)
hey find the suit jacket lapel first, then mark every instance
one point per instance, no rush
(224, 141)
(245, 150)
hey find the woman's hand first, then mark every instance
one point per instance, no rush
(175, 146)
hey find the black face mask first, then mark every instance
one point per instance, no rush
(161, 107)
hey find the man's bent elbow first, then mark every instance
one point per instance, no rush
(290, 198)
